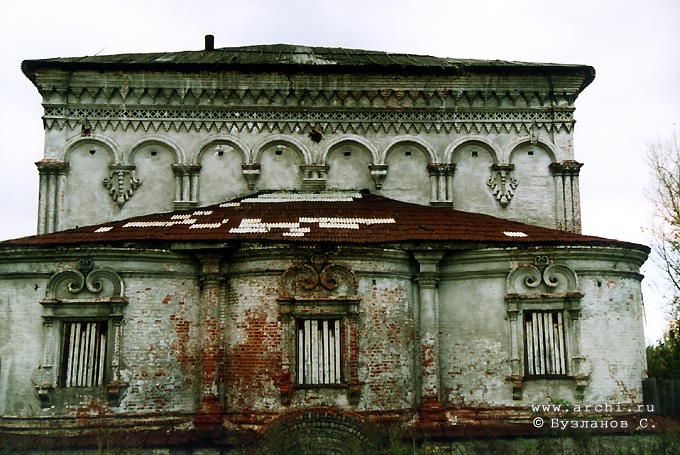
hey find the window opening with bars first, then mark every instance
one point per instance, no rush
(318, 351)
(84, 354)
(544, 339)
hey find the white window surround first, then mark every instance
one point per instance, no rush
(91, 297)
(538, 289)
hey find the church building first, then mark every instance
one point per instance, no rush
(290, 248)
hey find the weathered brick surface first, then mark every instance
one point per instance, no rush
(202, 330)
(192, 348)
(161, 347)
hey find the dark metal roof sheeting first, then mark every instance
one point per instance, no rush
(338, 218)
(294, 57)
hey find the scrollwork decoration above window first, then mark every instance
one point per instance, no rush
(542, 277)
(85, 282)
(86, 298)
(316, 278)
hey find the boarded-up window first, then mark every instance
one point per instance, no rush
(83, 361)
(544, 343)
(318, 351)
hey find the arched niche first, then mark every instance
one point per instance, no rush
(407, 176)
(535, 191)
(221, 176)
(349, 167)
(152, 163)
(280, 163)
(473, 161)
(89, 161)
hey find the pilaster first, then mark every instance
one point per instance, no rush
(186, 185)
(568, 203)
(427, 279)
(212, 279)
(441, 184)
(314, 177)
(51, 193)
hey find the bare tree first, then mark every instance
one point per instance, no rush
(663, 359)
(664, 160)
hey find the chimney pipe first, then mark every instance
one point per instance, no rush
(209, 43)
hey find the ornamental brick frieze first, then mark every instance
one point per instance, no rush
(215, 119)
(376, 96)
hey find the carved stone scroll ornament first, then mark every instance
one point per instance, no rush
(540, 278)
(86, 282)
(122, 182)
(318, 276)
(502, 183)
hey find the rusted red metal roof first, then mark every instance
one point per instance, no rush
(329, 217)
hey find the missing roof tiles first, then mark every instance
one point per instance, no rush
(515, 234)
(205, 226)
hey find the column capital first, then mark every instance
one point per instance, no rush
(428, 260)
(210, 268)
(566, 167)
(442, 169)
(48, 166)
(186, 169)
(427, 279)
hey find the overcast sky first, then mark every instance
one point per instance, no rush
(634, 47)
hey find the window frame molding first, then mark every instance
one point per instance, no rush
(346, 310)
(82, 294)
(545, 287)
(319, 289)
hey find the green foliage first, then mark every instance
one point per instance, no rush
(663, 359)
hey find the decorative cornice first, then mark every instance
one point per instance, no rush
(302, 121)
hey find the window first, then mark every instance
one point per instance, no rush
(318, 351)
(83, 317)
(319, 307)
(544, 312)
(544, 342)
(83, 360)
